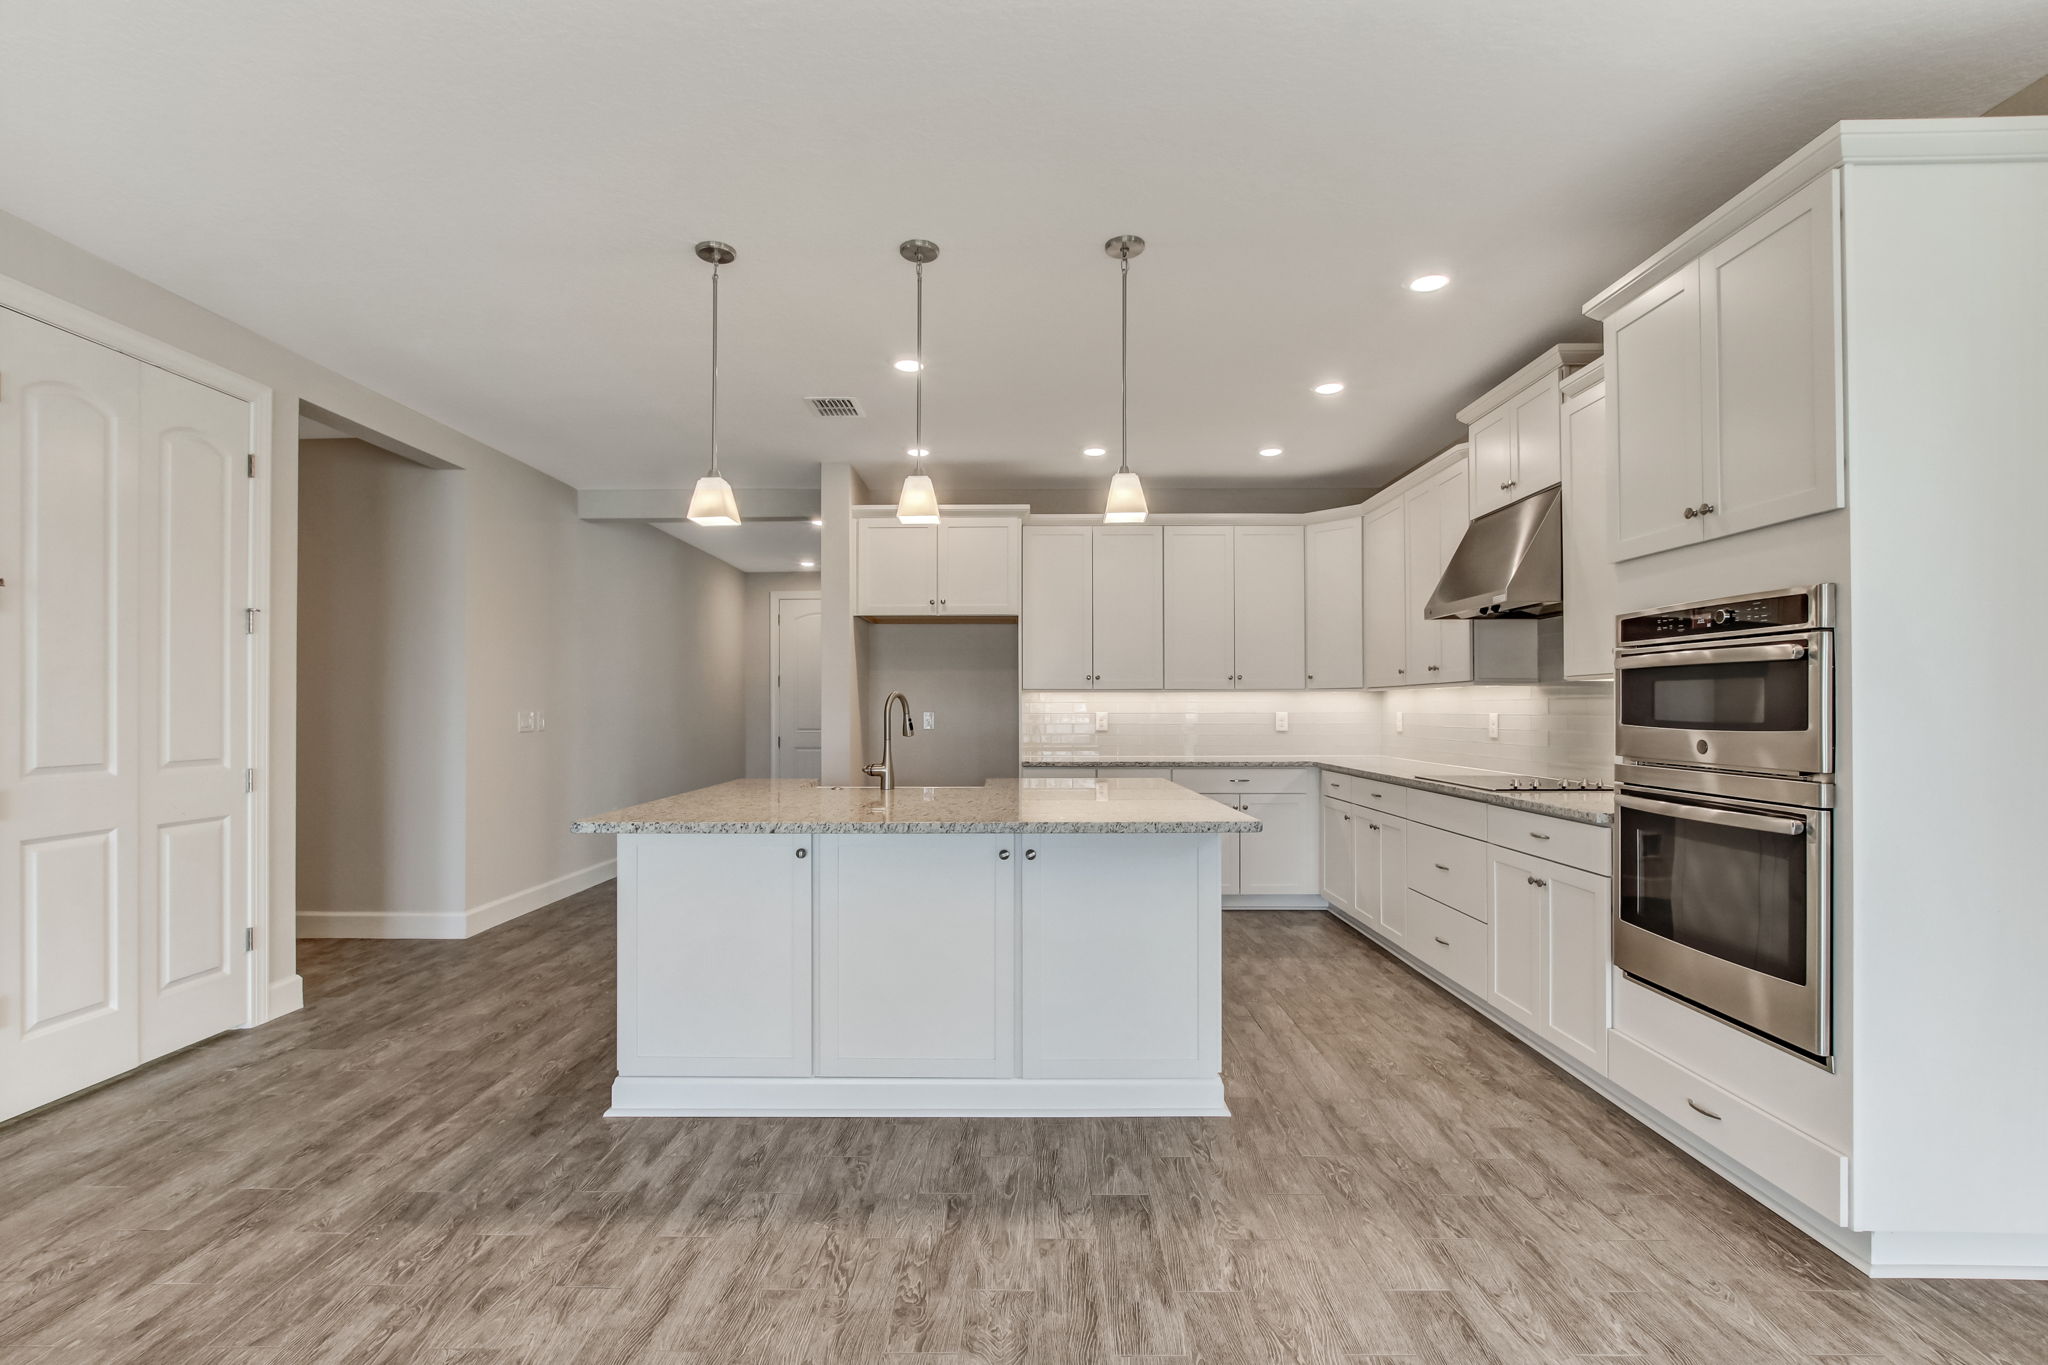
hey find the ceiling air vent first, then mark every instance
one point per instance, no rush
(835, 407)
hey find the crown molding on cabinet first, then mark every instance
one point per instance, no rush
(1583, 378)
(1558, 360)
(1858, 142)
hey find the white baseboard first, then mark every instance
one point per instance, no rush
(463, 924)
(845, 1097)
(287, 994)
(1275, 903)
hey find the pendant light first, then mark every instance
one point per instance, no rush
(712, 504)
(919, 503)
(1126, 501)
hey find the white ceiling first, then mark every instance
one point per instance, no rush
(486, 210)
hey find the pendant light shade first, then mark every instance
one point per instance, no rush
(713, 503)
(918, 504)
(1126, 502)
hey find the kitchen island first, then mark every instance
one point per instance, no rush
(1034, 947)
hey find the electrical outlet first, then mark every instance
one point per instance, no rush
(522, 722)
(1279, 722)
(1493, 725)
(540, 720)
(930, 719)
(1400, 721)
(1102, 720)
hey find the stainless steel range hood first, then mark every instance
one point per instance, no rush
(1510, 563)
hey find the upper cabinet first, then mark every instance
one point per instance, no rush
(1334, 553)
(1385, 534)
(1235, 605)
(963, 567)
(1723, 383)
(1093, 608)
(1516, 430)
(1589, 577)
(1437, 515)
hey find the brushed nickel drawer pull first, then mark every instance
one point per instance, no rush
(1534, 835)
(1697, 1107)
(1441, 867)
(1446, 942)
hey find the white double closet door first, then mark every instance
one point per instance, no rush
(124, 718)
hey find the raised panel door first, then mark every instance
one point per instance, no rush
(1386, 596)
(1589, 578)
(69, 706)
(1270, 629)
(899, 569)
(1516, 971)
(1334, 553)
(978, 568)
(1653, 395)
(1771, 392)
(1129, 607)
(1200, 595)
(1493, 460)
(193, 843)
(1055, 625)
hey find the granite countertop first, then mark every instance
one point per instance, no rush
(1588, 808)
(1132, 805)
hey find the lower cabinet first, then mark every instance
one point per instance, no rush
(1449, 940)
(1550, 955)
(916, 955)
(1380, 872)
(1279, 860)
(1340, 854)
(1118, 979)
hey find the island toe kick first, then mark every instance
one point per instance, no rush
(943, 973)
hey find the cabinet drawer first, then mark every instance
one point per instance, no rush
(1384, 797)
(1337, 785)
(1449, 868)
(1452, 943)
(1803, 1167)
(1236, 781)
(1586, 847)
(1448, 812)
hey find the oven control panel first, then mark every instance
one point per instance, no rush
(1791, 609)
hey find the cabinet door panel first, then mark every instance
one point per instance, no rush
(978, 568)
(1424, 529)
(899, 569)
(1200, 631)
(916, 963)
(1578, 961)
(1516, 922)
(1589, 579)
(1454, 513)
(1653, 395)
(1769, 314)
(1386, 597)
(1270, 625)
(1280, 860)
(1336, 607)
(1493, 460)
(1055, 627)
(1129, 597)
(1538, 449)
(1339, 853)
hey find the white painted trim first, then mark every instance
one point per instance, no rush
(876, 511)
(45, 307)
(287, 995)
(1864, 141)
(862, 1097)
(452, 924)
(1305, 901)
(1585, 377)
(1557, 360)
(776, 598)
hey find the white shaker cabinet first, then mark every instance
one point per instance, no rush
(1129, 607)
(1280, 860)
(1269, 593)
(1334, 551)
(1092, 608)
(899, 569)
(1516, 437)
(1589, 575)
(1549, 958)
(1723, 384)
(1339, 853)
(1200, 610)
(965, 566)
(1380, 875)
(978, 567)
(1385, 535)
(1437, 514)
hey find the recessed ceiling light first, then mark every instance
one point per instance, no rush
(917, 452)
(1428, 284)
(1269, 451)
(1093, 451)
(1331, 387)
(908, 366)
(807, 563)
(817, 521)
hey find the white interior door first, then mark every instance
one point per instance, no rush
(68, 628)
(193, 728)
(797, 693)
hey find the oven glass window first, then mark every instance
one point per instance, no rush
(1764, 696)
(1737, 894)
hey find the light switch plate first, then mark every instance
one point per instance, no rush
(1400, 721)
(1102, 720)
(1493, 725)
(1280, 722)
(930, 719)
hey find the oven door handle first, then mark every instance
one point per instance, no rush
(1734, 654)
(1714, 815)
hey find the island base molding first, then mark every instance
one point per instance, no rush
(892, 1097)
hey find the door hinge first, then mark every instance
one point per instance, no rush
(249, 620)
(252, 464)
(248, 779)
(249, 939)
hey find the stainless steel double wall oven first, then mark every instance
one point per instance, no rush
(1724, 819)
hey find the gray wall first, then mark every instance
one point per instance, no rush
(2032, 100)
(967, 674)
(758, 684)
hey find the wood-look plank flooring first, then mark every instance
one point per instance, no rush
(416, 1168)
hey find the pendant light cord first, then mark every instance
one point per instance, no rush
(714, 370)
(917, 459)
(1124, 362)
